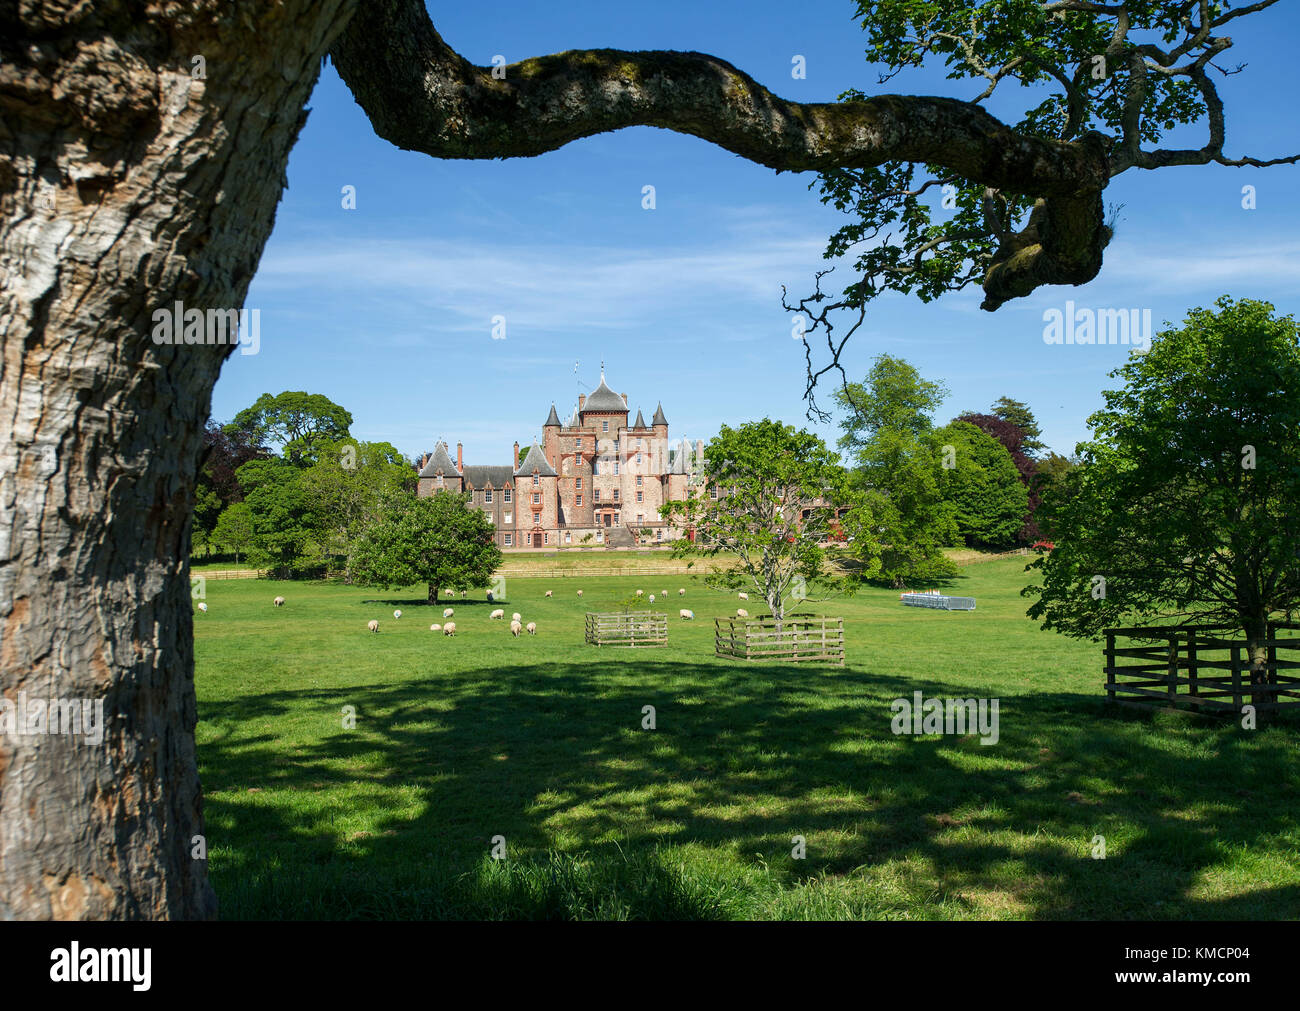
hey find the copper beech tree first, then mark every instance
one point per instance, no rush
(142, 152)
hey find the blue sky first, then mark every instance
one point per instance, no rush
(387, 309)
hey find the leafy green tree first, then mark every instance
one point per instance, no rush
(440, 540)
(900, 521)
(235, 530)
(1052, 471)
(346, 485)
(1016, 413)
(1187, 499)
(778, 490)
(283, 521)
(301, 423)
(980, 479)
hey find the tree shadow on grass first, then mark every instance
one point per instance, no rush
(742, 760)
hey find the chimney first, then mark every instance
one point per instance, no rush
(582, 399)
(624, 396)
(699, 452)
(460, 457)
(514, 461)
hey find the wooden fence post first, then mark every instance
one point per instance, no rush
(1193, 688)
(1172, 675)
(1110, 667)
(1236, 677)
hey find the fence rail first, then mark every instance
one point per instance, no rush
(230, 573)
(1197, 668)
(537, 572)
(627, 628)
(799, 639)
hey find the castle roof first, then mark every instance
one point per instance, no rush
(439, 461)
(679, 460)
(552, 419)
(604, 399)
(574, 422)
(489, 475)
(640, 420)
(535, 461)
(659, 418)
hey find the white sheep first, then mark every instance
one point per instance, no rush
(516, 628)
(741, 613)
(397, 614)
(681, 593)
(640, 592)
(579, 593)
(687, 615)
(531, 627)
(448, 612)
(663, 593)
(516, 617)
(652, 598)
(743, 595)
(449, 628)
(548, 593)
(498, 613)
(373, 626)
(203, 607)
(464, 594)
(435, 628)
(278, 602)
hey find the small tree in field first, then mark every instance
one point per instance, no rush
(777, 491)
(1186, 501)
(439, 541)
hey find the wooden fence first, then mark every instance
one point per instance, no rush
(801, 638)
(627, 628)
(230, 573)
(1198, 668)
(538, 572)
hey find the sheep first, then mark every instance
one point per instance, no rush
(531, 627)
(373, 626)
(743, 595)
(652, 598)
(548, 593)
(681, 593)
(203, 607)
(449, 628)
(448, 612)
(278, 602)
(741, 613)
(516, 617)
(640, 592)
(397, 614)
(464, 594)
(579, 593)
(516, 628)
(498, 613)
(663, 593)
(687, 615)
(435, 628)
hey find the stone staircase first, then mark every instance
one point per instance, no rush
(619, 537)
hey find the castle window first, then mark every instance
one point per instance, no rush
(537, 479)
(508, 518)
(579, 502)
(509, 540)
(639, 497)
(537, 497)
(640, 519)
(546, 538)
(638, 458)
(616, 518)
(713, 492)
(441, 484)
(638, 480)
(487, 495)
(638, 443)
(616, 467)
(579, 484)
(505, 494)
(595, 494)
(604, 426)
(568, 537)
(615, 494)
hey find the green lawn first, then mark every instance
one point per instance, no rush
(539, 740)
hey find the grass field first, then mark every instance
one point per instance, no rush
(539, 740)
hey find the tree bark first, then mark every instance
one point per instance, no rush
(127, 183)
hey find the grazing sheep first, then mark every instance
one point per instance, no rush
(743, 595)
(498, 613)
(516, 628)
(373, 626)
(278, 602)
(449, 628)
(531, 628)
(203, 607)
(548, 593)
(516, 617)
(741, 613)
(448, 613)
(397, 614)
(681, 593)
(640, 592)
(464, 594)
(579, 593)
(687, 615)
(435, 628)
(652, 598)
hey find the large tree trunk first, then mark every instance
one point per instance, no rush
(127, 183)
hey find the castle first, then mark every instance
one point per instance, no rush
(596, 480)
